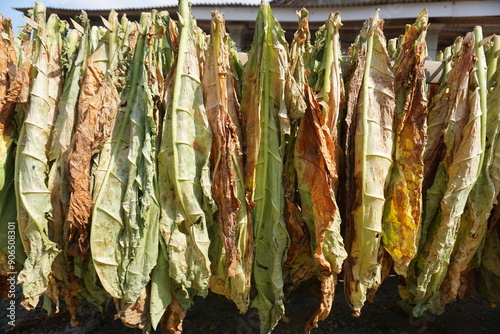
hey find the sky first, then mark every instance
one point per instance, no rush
(17, 19)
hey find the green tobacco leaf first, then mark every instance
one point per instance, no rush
(9, 90)
(461, 164)
(161, 286)
(33, 196)
(373, 147)
(184, 178)
(124, 234)
(8, 215)
(482, 198)
(265, 113)
(161, 294)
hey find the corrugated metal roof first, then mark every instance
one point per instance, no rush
(462, 30)
(344, 3)
(222, 2)
(167, 4)
(174, 3)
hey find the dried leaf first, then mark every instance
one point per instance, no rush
(232, 237)
(33, 196)
(183, 158)
(461, 165)
(317, 178)
(265, 112)
(124, 234)
(299, 265)
(97, 106)
(482, 198)
(403, 209)
(136, 314)
(173, 319)
(372, 157)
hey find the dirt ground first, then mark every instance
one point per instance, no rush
(216, 315)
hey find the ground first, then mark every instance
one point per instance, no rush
(216, 315)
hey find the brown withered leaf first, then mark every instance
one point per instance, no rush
(233, 277)
(355, 78)
(317, 174)
(299, 264)
(226, 144)
(317, 178)
(136, 314)
(63, 283)
(8, 73)
(328, 284)
(20, 86)
(173, 318)
(97, 107)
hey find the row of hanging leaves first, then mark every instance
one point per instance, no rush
(150, 165)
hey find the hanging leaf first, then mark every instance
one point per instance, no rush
(265, 113)
(482, 198)
(232, 236)
(317, 179)
(460, 168)
(403, 209)
(184, 178)
(372, 161)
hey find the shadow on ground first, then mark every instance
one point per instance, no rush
(216, 315)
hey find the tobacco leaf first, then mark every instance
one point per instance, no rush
(135, 314)
(62, 282)
(403, 209)
(265, 113)
(317, 178)
(372, 158)
(124, 234)
(482, 198)
(231, 238)
(161, 283)
(174, 317)
(33, 196)
(447, 117)
(97, 106)
(183, 165)
(461, 164)
(326, 74)
(299, 264)
(9, 73)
